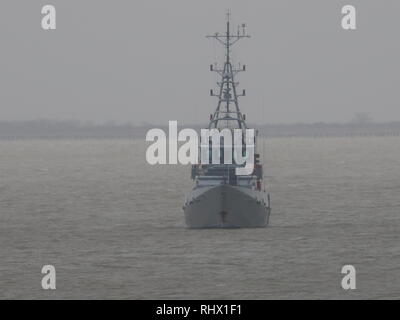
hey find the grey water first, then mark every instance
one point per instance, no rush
(113, 226)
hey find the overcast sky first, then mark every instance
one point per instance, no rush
(148, 61)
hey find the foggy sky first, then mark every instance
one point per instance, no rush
(148, 61)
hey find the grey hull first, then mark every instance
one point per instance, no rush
(226, 206)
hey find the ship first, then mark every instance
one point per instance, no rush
(221, 198)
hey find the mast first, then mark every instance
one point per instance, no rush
(227, 114)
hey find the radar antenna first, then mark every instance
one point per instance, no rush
(227, 94)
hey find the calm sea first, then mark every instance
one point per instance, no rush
(113, 226)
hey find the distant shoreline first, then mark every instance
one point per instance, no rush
(44, 129)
